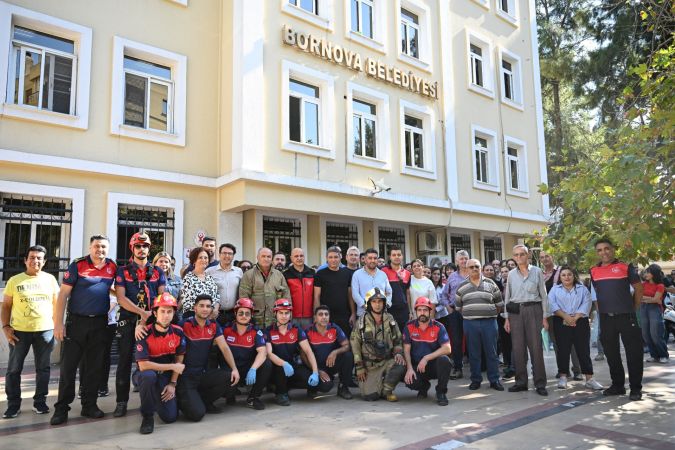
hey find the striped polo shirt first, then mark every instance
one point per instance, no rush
(478, 301)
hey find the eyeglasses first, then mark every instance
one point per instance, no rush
(473, 267)
(244, 313)
(141, 245)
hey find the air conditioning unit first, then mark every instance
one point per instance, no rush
(430, 241)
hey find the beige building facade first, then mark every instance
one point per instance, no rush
(269, 122)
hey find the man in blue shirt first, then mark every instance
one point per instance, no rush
(426, 347)
(86, 289)
(136, 284)
(367, 278)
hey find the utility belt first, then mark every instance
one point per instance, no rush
(126, 322)
(630, 314)
(88, 316)
(514, 307)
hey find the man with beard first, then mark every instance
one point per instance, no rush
(279, 261)
(399, 280)
(367, 278)
(426, 347)
(284, 342)
(331, 349)
(378, 350)
(160, 361)
(250, 353)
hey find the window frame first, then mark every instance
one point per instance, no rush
(178, 64)
(523, 177)
(484, 3)
(156, 80)
(517, 79)
(426, 114)
(485, 45)
(512, 15)
(494, 183)
(324, 20)
(326, 85)
(304, 99)
(379, 15)
(260, 213)
(381, 101)
(10, 16)
(424, 59)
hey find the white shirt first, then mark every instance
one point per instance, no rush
(228, 284)
(422, 287)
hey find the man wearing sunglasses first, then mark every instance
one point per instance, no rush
(136, 284)
(247, 344)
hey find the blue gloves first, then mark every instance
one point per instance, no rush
(313, 379)
(288, 369)
(250, 376)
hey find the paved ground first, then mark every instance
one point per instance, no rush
(485, 419)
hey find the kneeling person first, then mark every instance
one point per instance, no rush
(160, 361)
(331, 349)
(377, 347)
(199, 386)
(426, 346)
(250, 352)
(284, 342)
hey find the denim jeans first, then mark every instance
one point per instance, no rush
(43, 344)
(651, 322)
(481, 337)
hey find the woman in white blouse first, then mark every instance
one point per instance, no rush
(421, 286)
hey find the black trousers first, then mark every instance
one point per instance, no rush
(296, 381)
(626, 328)
(579, 338)
(504, 342)
(344, 366)
(437, 369)
(262, 378)
(343, 323)
(401, 315)
(85, 340)
(126, 343)
(195, 391)
(102, 382)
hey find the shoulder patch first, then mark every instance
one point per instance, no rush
(81, 258)
(259, 333)
(392, 323)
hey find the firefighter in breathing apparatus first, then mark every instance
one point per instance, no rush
(378, 350)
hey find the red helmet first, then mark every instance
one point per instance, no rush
(243, 303)
(165, 299)
(283, 305)
(139, 238)
(423, 301)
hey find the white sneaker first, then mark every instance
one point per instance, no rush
(594, 385)
(664, 360)
(562, 382)
(651, 359)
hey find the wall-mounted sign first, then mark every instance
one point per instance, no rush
(336, 54)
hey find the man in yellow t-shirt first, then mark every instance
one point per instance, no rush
(28, 320)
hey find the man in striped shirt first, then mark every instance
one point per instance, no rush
(480, 301)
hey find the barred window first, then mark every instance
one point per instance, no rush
(459, 242)
(27, 220)
(388, 237)
(492, 249)
(344, 235)
(158, 223)
(281, 234)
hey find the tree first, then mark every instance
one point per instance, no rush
(624, 189)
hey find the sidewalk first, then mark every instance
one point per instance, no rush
(485, 419)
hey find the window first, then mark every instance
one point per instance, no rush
(281, 234)
(303, 112)
(158, 223)
(388, 237)
(311, 6)
(362, 17)
(459, 241)
(492, 249)
(48, 68)
(485, 163)
(479, 51)
(148, 93)
(410, 30)
(511, 80)
(507, 10)
(364, 123)
(414, 142)
(308, 112)
(316, 12)
(417, 141)
(27, 220)
(414, 33)
(344, 235)
(515, 164)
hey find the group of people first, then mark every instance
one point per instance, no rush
(223, 326)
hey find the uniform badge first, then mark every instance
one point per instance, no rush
(66, 275)
(172, 344)
(139, 348)
(331, 335)
(259, 333)
(275, 337)
(615, 269)
(108, 271)
(209, 330)
(230, 339)
(392, 323)
(249, 339)
(118, 279)
(292, 336)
